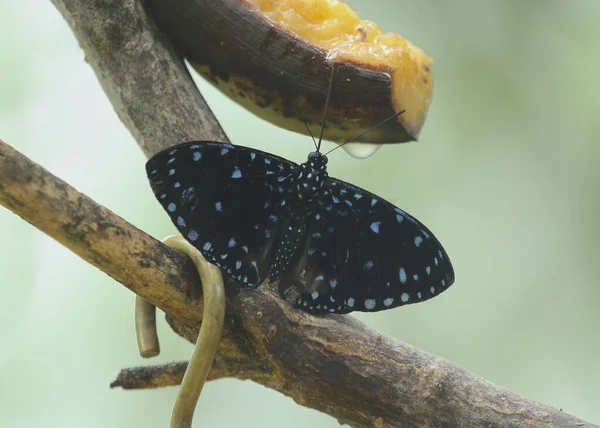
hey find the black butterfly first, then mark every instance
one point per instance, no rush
(259, 216)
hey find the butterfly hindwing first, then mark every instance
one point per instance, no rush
(228, 201)
(365, 254)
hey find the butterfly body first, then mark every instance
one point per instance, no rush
(259, 216)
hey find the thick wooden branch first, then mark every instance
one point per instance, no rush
(334, 364)
(142, 74)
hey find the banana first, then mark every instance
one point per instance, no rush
(274, 58)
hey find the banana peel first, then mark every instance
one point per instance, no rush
(274, 58)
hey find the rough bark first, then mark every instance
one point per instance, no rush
(142, 74)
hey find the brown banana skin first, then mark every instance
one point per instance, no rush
(270, 72)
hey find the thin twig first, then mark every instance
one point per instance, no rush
(147, 377)
(170, 374)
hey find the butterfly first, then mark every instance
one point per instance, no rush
(258, 216)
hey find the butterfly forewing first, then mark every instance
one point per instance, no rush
(365, 254)
(228, 201)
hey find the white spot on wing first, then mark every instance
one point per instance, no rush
(171, 207)
(232, 242)
(404, 297)
(375, 226)
(192, 235)
(402, 275)
(388, 302)
(218, 206)
(418, 241)
(236, 172)
(197, 156)
(350, 302)
(369, 304)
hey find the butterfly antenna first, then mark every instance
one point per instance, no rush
(326, 107)
(367, 131)
(305, 124)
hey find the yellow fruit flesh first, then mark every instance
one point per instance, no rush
(337, 29)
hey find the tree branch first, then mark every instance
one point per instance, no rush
(170, 374)
(142, 74)
(146, 377)
(334, 364)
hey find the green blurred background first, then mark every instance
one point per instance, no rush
(506, 174)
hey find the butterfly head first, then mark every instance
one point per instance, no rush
(311, 176)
